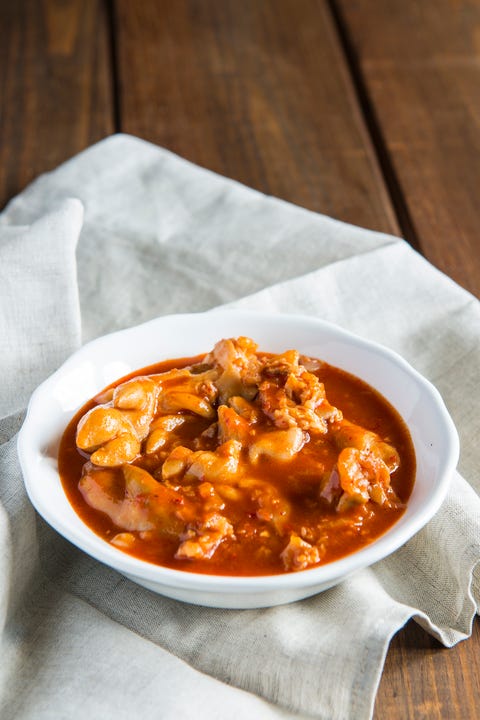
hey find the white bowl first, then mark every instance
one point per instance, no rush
(104, 360)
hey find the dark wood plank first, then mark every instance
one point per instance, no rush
(257, 91)
(420, 63)
(262, 92)
(419, 66)
(422, 680)
(55, 85)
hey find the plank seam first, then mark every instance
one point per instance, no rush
(373, 126)
(115, 78)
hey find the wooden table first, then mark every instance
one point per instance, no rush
(366, 110)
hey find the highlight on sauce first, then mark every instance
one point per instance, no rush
(236, 463)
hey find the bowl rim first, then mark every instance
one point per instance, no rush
(101, 550)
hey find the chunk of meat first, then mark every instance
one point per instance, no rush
(311, 364)
(282, 364)
(202, 539)
(219, 473)
(281, 445)
(113, 432)
(218, 465)
(300, 402)
(332, 489)
(299, 554)
(174, 400)
(193, 392)
(100, 425)
(203, 464)
(138, 481)
(212, 501)
(109, 435)
(161, 431)
(137, 394)
(122, 449)
(363, 476)
(245, 408)
(137, 399)
(132, 498)
(355, 474)
(232, 426)
(239, 368)
(123, 540)
(176, 463)
(99, 488)
(196, 379)
(347, 434)
(304, 388)
(272, 506)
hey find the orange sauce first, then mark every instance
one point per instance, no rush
(251, 552)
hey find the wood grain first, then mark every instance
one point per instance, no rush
(369, 114)
(257, 91)
(55, 85)
(422, 680)
(417, 67)
(420, 64)
(262, 92)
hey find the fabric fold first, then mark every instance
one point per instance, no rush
(39, 328)
(39, 313)
(163, 236)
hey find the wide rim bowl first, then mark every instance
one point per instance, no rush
(108, 358)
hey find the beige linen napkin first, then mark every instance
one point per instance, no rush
(160, 236)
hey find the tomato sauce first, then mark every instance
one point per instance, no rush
(255, 547)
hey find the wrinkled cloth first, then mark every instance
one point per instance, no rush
(125, 232)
